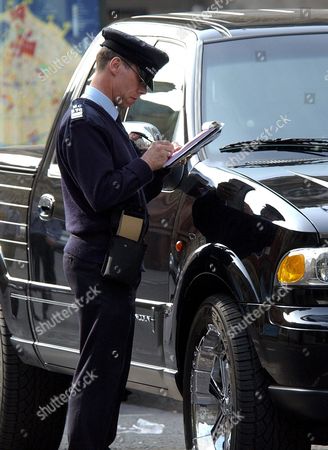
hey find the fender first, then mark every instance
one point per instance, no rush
(3, 281)
(3, 270)
(212, 268)
(9, 309)
(218, 261)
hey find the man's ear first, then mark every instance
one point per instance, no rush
(114, 65)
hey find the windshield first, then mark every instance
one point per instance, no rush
(266, 88)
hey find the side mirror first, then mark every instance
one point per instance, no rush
(146, 130)
(212, 124)
(150, 133)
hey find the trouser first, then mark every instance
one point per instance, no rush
(106, 317)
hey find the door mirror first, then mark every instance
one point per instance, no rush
(146, 131)
(149, 133)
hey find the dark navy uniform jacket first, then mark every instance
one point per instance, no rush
(102, 174)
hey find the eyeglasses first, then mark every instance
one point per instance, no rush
(141, 80)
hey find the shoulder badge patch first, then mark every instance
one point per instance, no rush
(77, 111)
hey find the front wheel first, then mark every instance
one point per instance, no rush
(226, 402)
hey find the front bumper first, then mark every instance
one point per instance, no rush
(308, 404)
(292, 344)
(310, 318)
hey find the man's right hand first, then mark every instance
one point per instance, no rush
(157, 154)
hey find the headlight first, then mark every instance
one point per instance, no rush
(304, 266)
(322, 268)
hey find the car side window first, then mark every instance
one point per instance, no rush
(163, 107)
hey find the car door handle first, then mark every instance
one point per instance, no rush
(46, 206)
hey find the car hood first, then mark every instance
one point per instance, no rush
(304, 185)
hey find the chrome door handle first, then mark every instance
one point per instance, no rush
(46, 206)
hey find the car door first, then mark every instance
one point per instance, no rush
(53, 317)
(164, 108)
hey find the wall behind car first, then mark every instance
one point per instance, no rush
(41, 43)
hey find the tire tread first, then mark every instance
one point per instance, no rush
(23, 389)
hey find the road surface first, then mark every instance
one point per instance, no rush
(148, 422)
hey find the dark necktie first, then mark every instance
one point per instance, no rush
(119, 123)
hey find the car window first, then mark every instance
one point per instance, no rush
(266, 88)
(163, 107)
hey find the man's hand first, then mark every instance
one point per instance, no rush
(158, 153)
(176, 146)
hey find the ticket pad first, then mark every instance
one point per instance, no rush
(130, 227)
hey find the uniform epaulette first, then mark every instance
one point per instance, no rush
(77, 110)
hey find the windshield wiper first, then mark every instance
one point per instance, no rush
(320, 145)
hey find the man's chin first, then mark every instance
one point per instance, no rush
(131, 100)
(126, 102)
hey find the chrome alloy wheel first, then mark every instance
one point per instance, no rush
(211, 393)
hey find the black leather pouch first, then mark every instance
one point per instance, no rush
(124, 260)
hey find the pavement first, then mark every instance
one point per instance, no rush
(149, 422)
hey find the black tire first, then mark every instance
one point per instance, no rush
(225, 388)
(23, 389)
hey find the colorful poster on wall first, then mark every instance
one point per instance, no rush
(41, 43)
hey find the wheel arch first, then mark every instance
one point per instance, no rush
(4, 285)
(212, 269)
(3, 274)
(16, 317)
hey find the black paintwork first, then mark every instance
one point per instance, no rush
(235, 223)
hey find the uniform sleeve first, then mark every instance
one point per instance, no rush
(154, 188)
(90, 163)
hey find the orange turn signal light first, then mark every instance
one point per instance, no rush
(291, 269)
(179, 246)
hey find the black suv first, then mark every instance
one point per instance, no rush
(232, 310)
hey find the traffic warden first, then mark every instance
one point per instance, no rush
(103, 175)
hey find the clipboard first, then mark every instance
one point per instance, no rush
(192, 146)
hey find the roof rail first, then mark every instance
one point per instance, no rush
(193, 18)
(217, 26)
